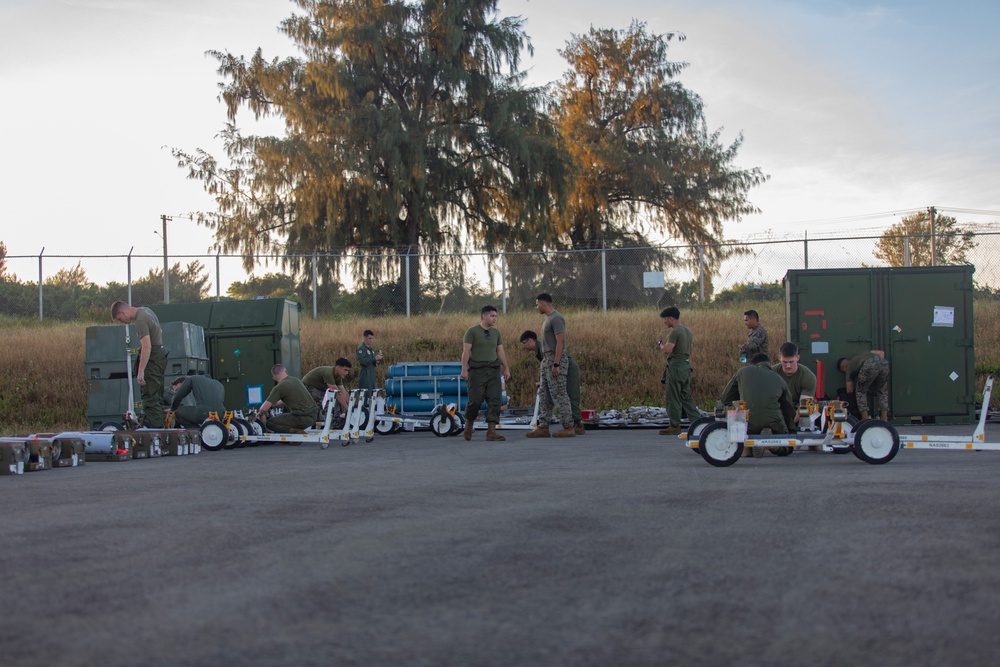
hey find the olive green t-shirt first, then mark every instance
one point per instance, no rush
(484, 344)
(294, 395)
(554, 324)
(681, 337)
(147, 324)
(321, 378)
(800, 383)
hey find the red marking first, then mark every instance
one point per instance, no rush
(820, 378)
(814, 336)
(824, 324)
(804, 326)
(815, 312)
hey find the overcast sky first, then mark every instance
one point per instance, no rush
(853, 108)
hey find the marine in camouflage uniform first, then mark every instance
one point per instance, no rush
(529, 339)
(867, 373)
(554, 372)
(757, 338)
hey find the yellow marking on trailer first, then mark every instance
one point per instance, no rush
(969, 446)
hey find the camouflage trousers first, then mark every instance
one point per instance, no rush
(873, 377)
(553, 393)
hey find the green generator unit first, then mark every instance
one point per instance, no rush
(921, 317)
(245, 339)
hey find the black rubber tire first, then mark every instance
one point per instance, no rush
(397, 427)
(363, 420)
(875, 442)
(245, 430)
(111, 426)
(441, 424)
(213, 435)
(715, 448)
(458, 423)
(233, 437)
(694, 430)
(384, 427)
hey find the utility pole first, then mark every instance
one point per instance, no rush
(931, 211)
(166, 264)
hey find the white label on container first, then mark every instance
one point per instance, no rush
(944, 316)
(953, 376)
(820, 347)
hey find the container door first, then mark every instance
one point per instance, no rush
(830, 315)
(239, 361)
(930, 341)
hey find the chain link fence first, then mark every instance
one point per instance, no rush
(401, 283)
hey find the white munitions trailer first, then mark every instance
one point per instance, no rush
(360, 422)
(721, 441)
(975, 443)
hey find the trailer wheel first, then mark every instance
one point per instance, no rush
(715, 446)
(233, 435)
(441, 424)
(695, 429)
(111, 426)
(875, 441)
(213, 435)
(384, 427)
(457, 423)
(396, 428)
(243, 426)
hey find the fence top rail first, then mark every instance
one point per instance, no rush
(350, 253)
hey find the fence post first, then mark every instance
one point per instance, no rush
(701, 274)
(503, 280)
(604, 277)
(315, 282)
(805, 249)
(40, 307)
(408, 281)
(128, 263)
(218, 277)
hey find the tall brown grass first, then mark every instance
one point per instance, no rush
(42, 383)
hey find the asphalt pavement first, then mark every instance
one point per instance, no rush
(620, 547)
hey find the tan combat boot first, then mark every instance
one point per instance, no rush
(467, 431)
(865, 415)
(671, 430)
(491, 433)
(568, 432)
(884, 415)
(580, 428)
(540, 432)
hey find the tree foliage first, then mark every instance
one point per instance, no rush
(406, 124)
(642, 159)
(271, 285)
(953, 245)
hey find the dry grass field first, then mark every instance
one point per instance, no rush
(42, 384)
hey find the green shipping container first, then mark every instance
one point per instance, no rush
(921, 317)
(245, 339)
